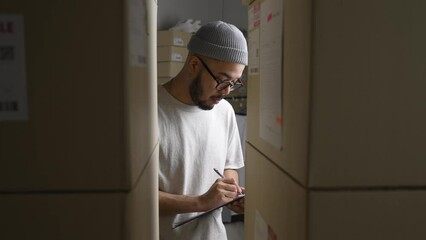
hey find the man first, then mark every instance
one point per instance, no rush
(198, 133)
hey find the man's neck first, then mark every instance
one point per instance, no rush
(177, 92)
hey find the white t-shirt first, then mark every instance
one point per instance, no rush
(192, 143)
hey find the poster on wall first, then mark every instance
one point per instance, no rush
(253, 38)
(271, 97)
(137, 35)
(13, 92)
(262, 230)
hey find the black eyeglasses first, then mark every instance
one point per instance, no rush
(222, 84)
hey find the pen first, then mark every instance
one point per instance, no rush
(218, 173)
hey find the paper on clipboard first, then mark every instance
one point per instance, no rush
(178, 224)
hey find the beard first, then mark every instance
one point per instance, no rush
(196, 91)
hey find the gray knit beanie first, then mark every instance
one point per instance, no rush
(221, 41)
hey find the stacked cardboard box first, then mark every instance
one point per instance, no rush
(84, 164)
(350, 157)
(171, 53)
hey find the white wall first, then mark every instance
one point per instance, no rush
(172, 11)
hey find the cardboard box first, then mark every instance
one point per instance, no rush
(273, 200)
(293, 156)
(62, 216)
(368, 112)
(277, 203)
(113, 215)
(171, 54)
(367, 214)
(169, 69)
(91, 129)
(345, 92)
(173, 38)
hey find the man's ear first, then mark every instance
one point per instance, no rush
(193, 63)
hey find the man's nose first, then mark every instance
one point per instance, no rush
(226, 90)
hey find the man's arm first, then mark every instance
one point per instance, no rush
(222, 191)
(231, 173)
(173, 203)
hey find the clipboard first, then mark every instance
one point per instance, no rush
(178, 224)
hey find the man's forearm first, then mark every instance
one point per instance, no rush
(231, 173)
(175, 204)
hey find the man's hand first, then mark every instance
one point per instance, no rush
(221, 192)
(238, 206)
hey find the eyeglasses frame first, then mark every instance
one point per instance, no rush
(234, 85)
